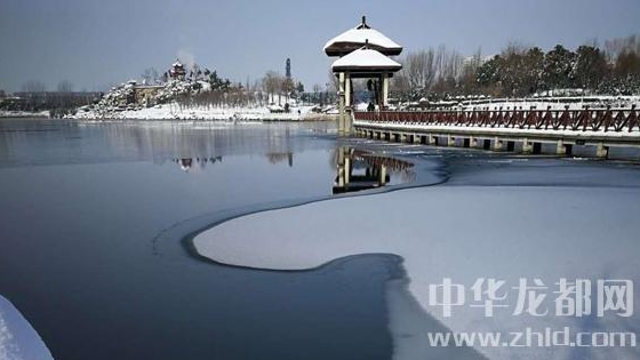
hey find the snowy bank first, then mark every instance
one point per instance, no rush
(174, 111)
(24, 114)
(18, 340)
(463, 233)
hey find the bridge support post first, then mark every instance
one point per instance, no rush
(497, 144)
(602, 152)
(451, 141)
(527, 147)
(473, 142)
(561, 148)
(403, 138)
(432, 140)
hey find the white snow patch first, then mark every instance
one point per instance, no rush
(18, 340)
(463, 233)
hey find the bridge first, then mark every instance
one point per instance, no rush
(501, 130)
(365, 53)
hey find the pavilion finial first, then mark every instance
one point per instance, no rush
(363, 25)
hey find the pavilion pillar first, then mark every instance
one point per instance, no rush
(385, 90)
(348, 106)
(347, 90)
(341, 102)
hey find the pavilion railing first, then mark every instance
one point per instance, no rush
(615, 120)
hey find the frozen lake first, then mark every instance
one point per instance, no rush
(97, 251)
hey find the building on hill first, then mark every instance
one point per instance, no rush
(177, 72)
(145, 94)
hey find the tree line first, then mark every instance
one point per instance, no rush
(520, 71)
(35, 97)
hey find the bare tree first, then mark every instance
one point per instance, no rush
(271, 84)
(150, 76)
(615, 47)
(420, 71)
(467, 81)
(34, 86)
(334, 82)
(65, 86)
(449, 65)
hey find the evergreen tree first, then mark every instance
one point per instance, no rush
(590, 67)
(558, 68)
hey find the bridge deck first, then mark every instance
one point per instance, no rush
(609, 126)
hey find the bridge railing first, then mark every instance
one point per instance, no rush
(616, 120)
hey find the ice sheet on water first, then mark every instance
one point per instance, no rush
(18, 340)
(460, 232)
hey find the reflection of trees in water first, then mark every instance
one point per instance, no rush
(166, 139)
(275, 158)
(187, 163)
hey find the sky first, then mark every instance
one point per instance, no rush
(96, 44)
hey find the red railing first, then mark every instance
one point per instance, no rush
(577, 120)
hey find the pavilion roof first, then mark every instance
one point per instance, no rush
(365, 60)
(353, 39)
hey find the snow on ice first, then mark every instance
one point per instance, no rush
(18, 340)
(463, 233)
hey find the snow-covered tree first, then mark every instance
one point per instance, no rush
(558, 68)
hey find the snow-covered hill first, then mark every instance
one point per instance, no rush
(188, 100)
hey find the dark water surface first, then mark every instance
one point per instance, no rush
(82, 209)
(96, 216)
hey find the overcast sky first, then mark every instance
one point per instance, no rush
(95, 43)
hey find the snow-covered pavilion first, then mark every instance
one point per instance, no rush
(353, 39)
(364, 53)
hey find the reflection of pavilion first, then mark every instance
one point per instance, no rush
(359, 170)
(275, 158)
